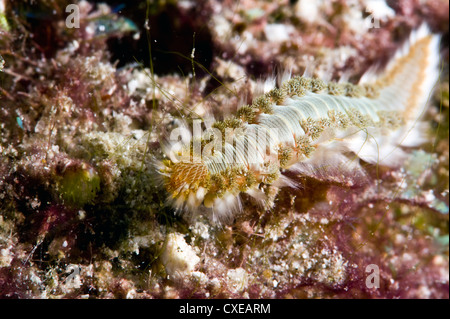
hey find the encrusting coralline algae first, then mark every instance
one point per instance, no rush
(84, 121)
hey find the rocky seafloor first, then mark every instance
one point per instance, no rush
(86, 101)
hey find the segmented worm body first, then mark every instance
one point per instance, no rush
(306, 125)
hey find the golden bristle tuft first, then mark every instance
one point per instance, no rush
(187, 175)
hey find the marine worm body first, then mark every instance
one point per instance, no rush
(305, 125)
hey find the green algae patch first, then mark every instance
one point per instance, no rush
(79, 186)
